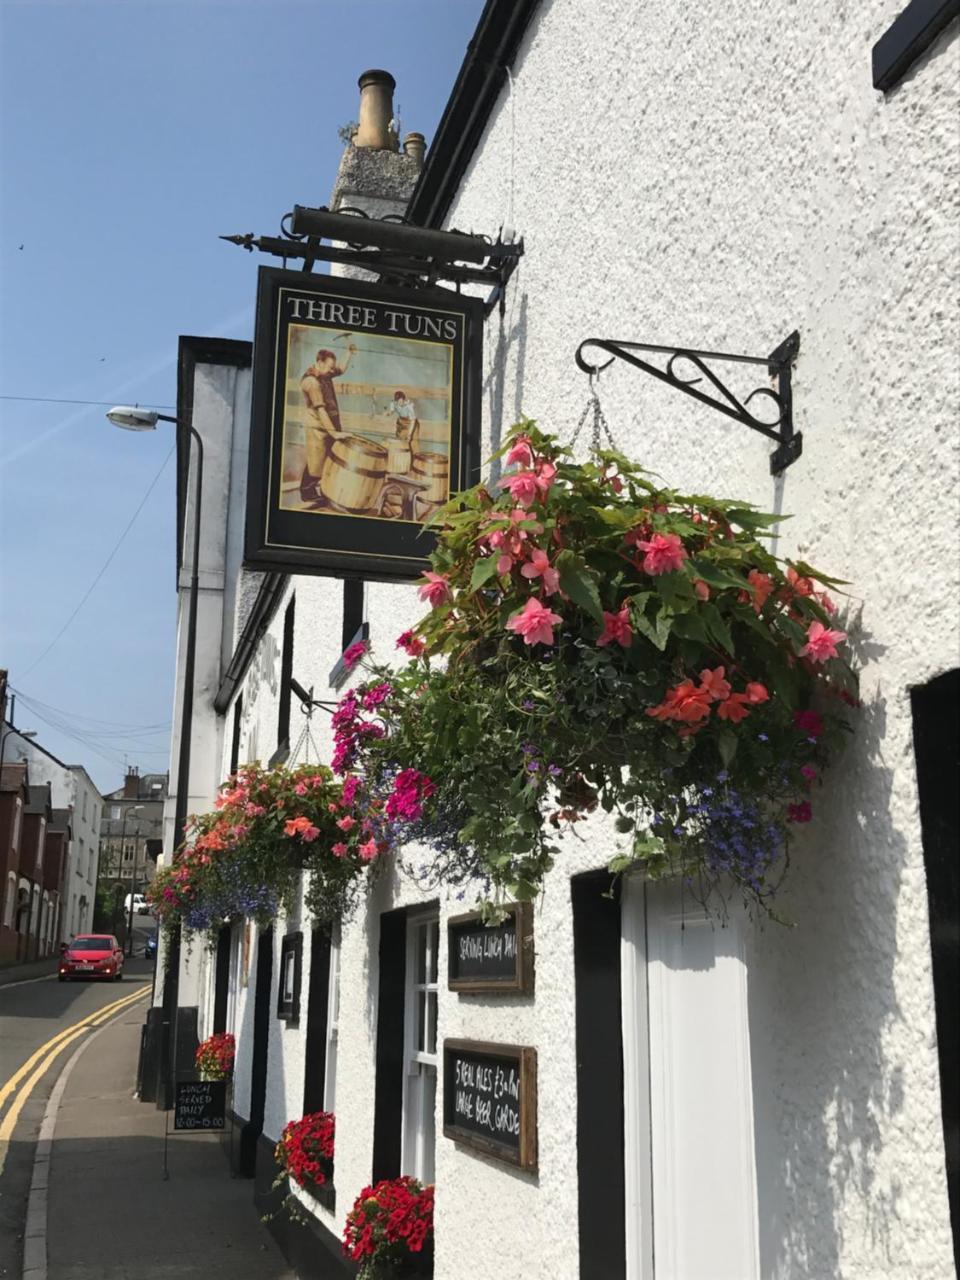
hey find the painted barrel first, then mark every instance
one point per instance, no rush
(433, 470)
(353, 473)
(399, 457)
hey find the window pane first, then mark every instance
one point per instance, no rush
(421, 948)
(434, 930)
(421, 1009)
(432, 1022)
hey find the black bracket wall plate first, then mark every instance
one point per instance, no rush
(779, 365)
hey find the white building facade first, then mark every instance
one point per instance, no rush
(71, 788)
(733, 1103)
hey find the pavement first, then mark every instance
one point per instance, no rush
(109, 1213)
(28, 972)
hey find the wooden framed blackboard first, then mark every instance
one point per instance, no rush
(486, 958)
(490, 1099)
(199, 1104)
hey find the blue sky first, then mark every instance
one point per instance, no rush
(132, 134)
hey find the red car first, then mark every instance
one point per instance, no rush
(92, 955)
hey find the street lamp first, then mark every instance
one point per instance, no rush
(133, 418)
(136, 808)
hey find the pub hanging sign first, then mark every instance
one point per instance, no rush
(364, 422)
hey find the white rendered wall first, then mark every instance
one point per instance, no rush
(717, 183)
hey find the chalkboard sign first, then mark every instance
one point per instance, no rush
(485, 958)
(490, 1099)
(199, 1104)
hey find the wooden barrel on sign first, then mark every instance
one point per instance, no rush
(399, 457)
(353, 473)
(432, 469)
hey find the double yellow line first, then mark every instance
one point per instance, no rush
(37, 1064)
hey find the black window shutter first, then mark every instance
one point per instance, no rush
(388, 1093)
(599, 1042)
(315, 1058)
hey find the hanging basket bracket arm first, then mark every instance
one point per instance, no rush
(779, 365)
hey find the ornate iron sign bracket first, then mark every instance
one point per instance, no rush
(779, 365)
(390, 247)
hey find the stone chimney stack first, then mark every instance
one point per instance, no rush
(131, 783)
(375, 175)
(414, 146)
(376, 111)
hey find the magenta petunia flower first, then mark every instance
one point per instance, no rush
(801, 812)
(354, 652)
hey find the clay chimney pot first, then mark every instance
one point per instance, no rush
(376, 111)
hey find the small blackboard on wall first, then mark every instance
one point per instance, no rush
(199, 1104)
(490, 1099)
(486, 958)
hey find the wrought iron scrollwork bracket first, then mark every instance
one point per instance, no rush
(779, 365)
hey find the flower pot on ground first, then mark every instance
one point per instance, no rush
(215, 1057)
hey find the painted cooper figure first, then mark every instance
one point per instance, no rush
(323, 410)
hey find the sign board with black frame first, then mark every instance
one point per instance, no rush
(485, 958)
(199, 1104)
(291, 967)
(365, 420)
(490, 1099)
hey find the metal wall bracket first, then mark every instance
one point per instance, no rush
(779, 365)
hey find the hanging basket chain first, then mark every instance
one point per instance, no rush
(598, 425)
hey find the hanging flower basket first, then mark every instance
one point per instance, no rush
(608, 642)
(245, 859)
(389, 1230)
(215, 1056)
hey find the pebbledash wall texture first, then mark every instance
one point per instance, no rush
(717, 184)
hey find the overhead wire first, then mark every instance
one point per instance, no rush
(106, 564)
(102, 404)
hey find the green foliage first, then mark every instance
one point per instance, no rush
(666, 693)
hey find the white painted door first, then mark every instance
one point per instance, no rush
(690, 1173)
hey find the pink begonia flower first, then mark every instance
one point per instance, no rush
(300, 789)
(827, 603)
(339, 850)
(734, 709)
(346, 823)
(702, 590)
(301, 827)
(505, 563)
(523, 487)
(713, 684)
(664, 553)
(546, 474)
(809, 774)
(534, 622)
(368, 851)
(353, 653)
(821, 642)
(616, 627)
(802, 586)
(761, 584)
(520, 452)
(436, 590)
(538, 566)
(757, 692)
(801, 812)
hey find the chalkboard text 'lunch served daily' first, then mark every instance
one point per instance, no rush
(200, 1104)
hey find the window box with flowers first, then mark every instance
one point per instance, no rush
(389, 1230)
(599, 641)
(304, 1155)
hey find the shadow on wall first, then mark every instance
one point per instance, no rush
(822, 1003)
(510, 332)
